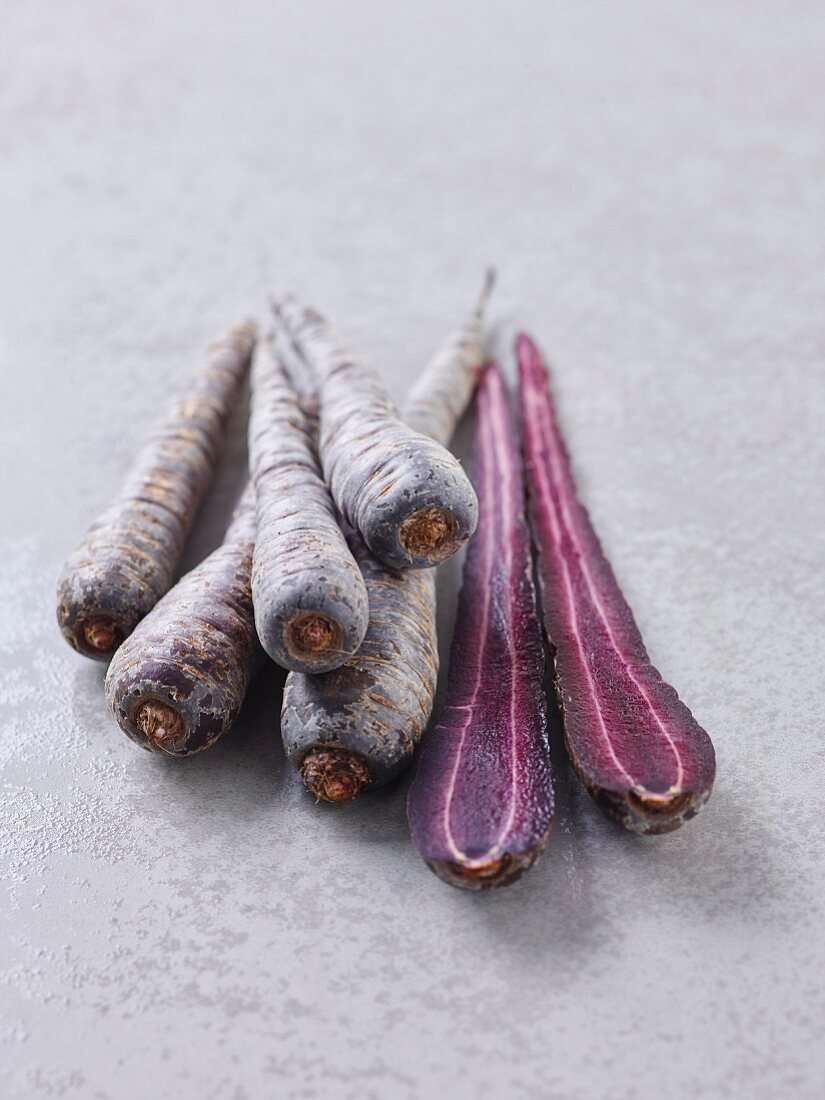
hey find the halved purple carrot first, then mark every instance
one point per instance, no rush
(481, 804)
(634, 744)
(129, 556)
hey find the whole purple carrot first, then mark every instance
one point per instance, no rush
(129, 556)
(634, 744)
(178, 681)
(309, 596)
(402, 491)
(481, 804)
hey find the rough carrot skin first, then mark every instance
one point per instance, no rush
(358, 727)
(128, 559)
(309, 596)
(634, 744)
(178, 682)
(481, 804)
(405, 493)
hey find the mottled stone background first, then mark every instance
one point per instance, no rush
(650, 179)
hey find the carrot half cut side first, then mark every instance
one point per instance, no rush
(481, 804)
(634, 744)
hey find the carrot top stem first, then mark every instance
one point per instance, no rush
(334, 775)
(311, 633)
(101, 634)
(161, 724)
(431, 531)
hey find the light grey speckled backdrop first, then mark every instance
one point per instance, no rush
(650, 179)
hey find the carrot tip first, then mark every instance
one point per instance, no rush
(334, 775)
(486, 874)
(660, 812)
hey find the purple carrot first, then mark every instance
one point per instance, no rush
(178, 681)
(310, 600)
(405, 493)
(634, 744)
(129, 557)
(481, 804)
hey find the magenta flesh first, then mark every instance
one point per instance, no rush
(481, 804)
(634, 744)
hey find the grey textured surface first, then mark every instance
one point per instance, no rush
(649, 179)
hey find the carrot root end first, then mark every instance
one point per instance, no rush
(655, 812)
(487, 874)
